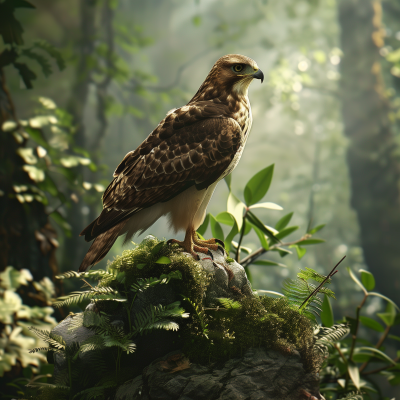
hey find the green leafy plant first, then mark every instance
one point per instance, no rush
(241, 217)
(15, 337)
(353, 362)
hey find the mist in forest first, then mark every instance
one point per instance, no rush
(327, 116)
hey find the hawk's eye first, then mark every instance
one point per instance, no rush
(237, 68)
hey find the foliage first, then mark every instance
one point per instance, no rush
(15, 320)
(241, 217)
(44, 142)
(346, 371)
(11, 32)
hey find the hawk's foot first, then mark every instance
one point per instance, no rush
(212, 244)
(191, 248)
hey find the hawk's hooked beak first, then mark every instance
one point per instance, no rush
(259, 75)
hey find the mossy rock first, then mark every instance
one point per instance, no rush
(215, 330)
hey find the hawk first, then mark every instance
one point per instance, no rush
(175, 170)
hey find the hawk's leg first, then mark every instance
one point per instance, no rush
(189, 245)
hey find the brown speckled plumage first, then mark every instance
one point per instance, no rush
(193, 147)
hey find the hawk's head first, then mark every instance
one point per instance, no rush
(231, 73)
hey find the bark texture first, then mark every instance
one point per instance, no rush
(27, 240)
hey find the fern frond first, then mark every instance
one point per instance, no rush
(143, 284)
(200, 315)
(304, 295)
(326, 337)
(100, 293)
(92, 343)
(309, 273)
(92, 274)
(53, 340)
(165, 324)
(229, 303)
(37, 349)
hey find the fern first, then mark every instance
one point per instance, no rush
(325, 337)
(92, 274)
(53, 340)
(229, 303)
(143, 284)
(200, 315)
(100, 293)
(154, 317)
(303, 295)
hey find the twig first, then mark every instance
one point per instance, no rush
(259, 252)
(316, 290)
(374, 371)
(241, 236)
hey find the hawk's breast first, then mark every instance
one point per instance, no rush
(245, 120)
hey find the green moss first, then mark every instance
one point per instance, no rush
(194, 279)
(216, 335)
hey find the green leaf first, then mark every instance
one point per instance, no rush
(356, 280)
(371, 323)
(384, 298)
(354, 373)
(140, 266)
(236, 208)
(256, 222)
(327, 313)
(163, 260)
(300, 251)
(308, 242)
(203, 227)
(316, 229)
(389, 316)
(267, 263)
(283, 222)
(225, 218)
(258, 185)
(156, 249)
(261, 237)
(382, 355)
(216, 229)
(286, 232)
(270, 206)
(367, 279)
(228, 241)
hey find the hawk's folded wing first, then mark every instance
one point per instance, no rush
(178, 154)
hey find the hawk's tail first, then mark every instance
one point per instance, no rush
(101, 246)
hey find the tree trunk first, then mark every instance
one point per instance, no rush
(373, 153)
(26, 236)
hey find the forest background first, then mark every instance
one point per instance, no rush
(327, 116)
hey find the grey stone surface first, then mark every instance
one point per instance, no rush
(229, 279)
(259, 375)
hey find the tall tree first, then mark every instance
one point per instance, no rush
(27, 240)
(372, 156)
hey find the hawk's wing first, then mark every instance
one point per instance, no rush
(178, 154)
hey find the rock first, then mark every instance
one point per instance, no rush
(259, 375)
